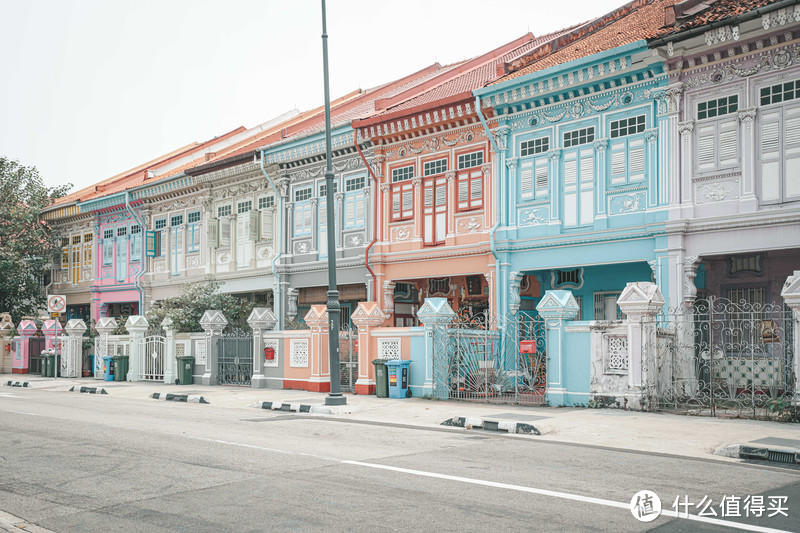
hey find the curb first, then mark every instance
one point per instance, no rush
(17, 383)
(190, 398)
(773, 455)
(295, 407)
(502, 426)
(89, 390)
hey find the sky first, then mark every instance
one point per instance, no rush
(90, 88)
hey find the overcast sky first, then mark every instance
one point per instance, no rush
(90, 88)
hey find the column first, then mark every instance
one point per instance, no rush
(641, 301)
(291, 304)
(557, 307)
(367, 315)
(508, 210)
(669, 105)
(388, 298)
(651, 139)
(317, 320)
(338, 198)
(104, 327)
(315, 225)
(212, 322)
(686, 129)
(418, 203)
(234, 265)
(555, 189)
(72, 349)
(747, 189)
(260, 321)
(452, 202)
(791, 296)
(136, 326)
(601, 151)
(435, 314)
(170, 363)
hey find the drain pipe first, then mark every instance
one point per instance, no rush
(374, 217)
(497, 203)
(277, 289)
(142, 250)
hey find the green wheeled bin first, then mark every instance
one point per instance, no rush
(120, 367)
(381, 378)
(185, 369)
(47, 365)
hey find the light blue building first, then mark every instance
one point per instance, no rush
(581, 178)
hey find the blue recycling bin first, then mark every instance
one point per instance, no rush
(108, 368)
(399, 378)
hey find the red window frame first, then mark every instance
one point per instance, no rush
(403, 191)
(466, 176)
(434, 215)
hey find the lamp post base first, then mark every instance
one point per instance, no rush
(335, 400)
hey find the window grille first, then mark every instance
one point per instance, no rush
(472, 159)
(402, 174)
(578, 137)
(429, 168)
(534, 146)
(627, 126)
(717, 107)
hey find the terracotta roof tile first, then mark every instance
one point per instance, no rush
(693, 13)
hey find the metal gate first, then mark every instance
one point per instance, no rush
(721, 357)
(481, 358)
(35, 349)
(348, 358)
(154, 347)
(235, 358)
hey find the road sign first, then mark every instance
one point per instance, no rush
(56, 303)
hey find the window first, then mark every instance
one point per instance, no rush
(87, 249)
(121, 232)
(303, 194)
(153, 244)
(569, 277)
(627, 126)
(354, 184)
(434, 211)
(223, 211)
(578, 182)
(108, 247)
(65, 241)
(745, 263)
(136, 242)
(354, 206)
(605, 306)
(193, 238)
(534, 146)
(65, 258)
(718, 107)
(402, 173)
(470, 186)
(627, 154)
(302, 218)
(193, 217)
(244, 207)
(87, 237)
(402, 200)
(176, 220)
(779, 153)
(472, 159)
(76, 239)
(161, 223)
(429, 168)
(266, 201)
(323, 188)
(782, 92)
(578, 137)
(108, 234)
(136, 229)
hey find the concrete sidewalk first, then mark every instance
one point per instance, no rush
(691, 436)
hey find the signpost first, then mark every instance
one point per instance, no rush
(56, 304)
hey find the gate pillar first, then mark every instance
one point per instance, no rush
(641, 301)
(26, 330)
(367, 315)
(317, 320)
(104, 327)
(212, 322)
(136, 326)
(435, 314)
(5, 343)
(260, 320)
(170, 363)
(557, 307)
(791, 296)
(72, 349)
(51, 329)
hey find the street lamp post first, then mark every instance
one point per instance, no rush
(335, 397)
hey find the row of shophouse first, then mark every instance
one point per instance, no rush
(659, 143)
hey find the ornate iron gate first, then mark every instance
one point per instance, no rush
(153, 366)
(486, 359)
(35, 348)
(235, 358)
(348, 358)
(718, 357)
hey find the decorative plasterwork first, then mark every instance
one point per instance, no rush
(780, 17)
(469, 224)
(534, 216)
(775, 59)
(690, 265)
(239, 189)
(722, 34)
(318, 170)
(435, 143)
(627, 203)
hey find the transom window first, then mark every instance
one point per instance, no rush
(161, 223)
(718, 107)
(472, 159)
(781, 92)
(108, 234)
(627, 126)
(266, 201)
(578, 137)
(121, 232)
(302, 194)
(534, 146)
(193, 217)
(76, 239)
(402, 173)
(136, 229)
(429, 168)
(176, 220)
(354, 184)
(323, 188)
(224, 211)
(244, 207)
(87, 237)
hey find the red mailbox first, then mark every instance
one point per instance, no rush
(527, 346)
(269, 353)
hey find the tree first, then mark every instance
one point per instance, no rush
(187, 309)
(27, 244)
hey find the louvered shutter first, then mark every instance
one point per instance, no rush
(706, 156)
(397, 202)
(618, 170)
(360, 202)
(408, 200)
(122, 258)
(225, 231)
(254, 225)
(476, 189)
(769, 154)
(213, 232)
(791, 152)
(427, 206)
(322, 239)
(526, 179)
(587, 186)
(441, 209)
(267, 222)
(463, 190)
(349, 210)
(636, 159)
(542, 177)
(729, 143)
(571, 189)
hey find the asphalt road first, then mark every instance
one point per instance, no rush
(84, 463)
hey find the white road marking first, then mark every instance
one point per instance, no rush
(507, 486)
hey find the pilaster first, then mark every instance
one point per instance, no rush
(170, 362)
(260, 321)
(72, 349)
(136, 326)
(435, 314)
(556, 308)
(212, 322)
(367, 315)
